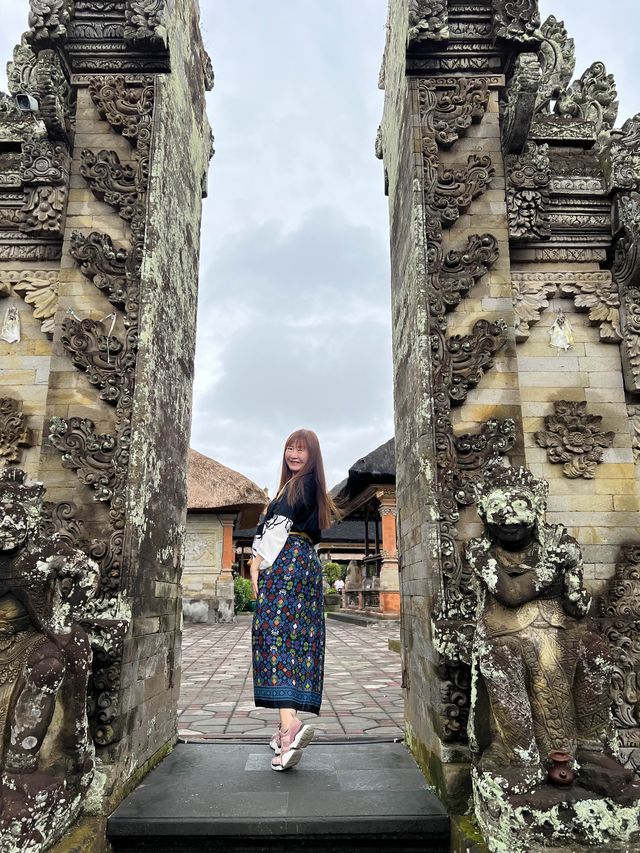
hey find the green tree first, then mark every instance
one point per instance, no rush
(332, 571)
(242, 593)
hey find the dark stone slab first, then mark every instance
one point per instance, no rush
(351, 797)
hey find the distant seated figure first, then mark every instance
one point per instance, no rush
(542, 676)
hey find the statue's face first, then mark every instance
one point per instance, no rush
(14, 528)
(510, 513)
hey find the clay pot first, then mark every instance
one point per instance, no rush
(559, 770)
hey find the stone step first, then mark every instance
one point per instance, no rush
(349, 797)
(365, 619)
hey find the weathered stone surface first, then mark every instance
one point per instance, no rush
(542, 732)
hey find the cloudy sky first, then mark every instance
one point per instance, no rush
(293, 319)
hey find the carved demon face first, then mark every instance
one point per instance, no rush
(510, 513)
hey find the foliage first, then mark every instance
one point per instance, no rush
(242, 594)
(332, 571)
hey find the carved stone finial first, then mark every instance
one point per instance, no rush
(573, 438)
(521, 97)
(620, 155)
(428, 20)
(43, 76)
(49, 20)
(557, 58)
(592, 98)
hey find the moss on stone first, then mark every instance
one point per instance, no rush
(119, 793)
(87, 835)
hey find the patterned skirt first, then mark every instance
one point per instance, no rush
(288, 630)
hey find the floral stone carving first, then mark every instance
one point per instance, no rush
(46, 754)
(517, 20)
(574, 438)
(542, 682)
(13, 433)
(461, 104)
(428, 20)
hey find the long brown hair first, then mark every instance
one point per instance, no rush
(327, 510)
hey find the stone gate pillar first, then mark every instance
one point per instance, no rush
(105, 150)
(514, 235)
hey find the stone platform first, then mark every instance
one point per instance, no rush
(226, 798)
(362, 696)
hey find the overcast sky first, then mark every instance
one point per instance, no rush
(294, 327)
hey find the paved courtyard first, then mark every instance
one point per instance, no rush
(362, 694)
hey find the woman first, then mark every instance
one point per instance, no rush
(286, 576)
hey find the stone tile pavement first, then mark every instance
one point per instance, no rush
(362, 693)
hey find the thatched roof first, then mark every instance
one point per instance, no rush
(379, 466)
(212, 486)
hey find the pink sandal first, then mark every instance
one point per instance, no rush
(292, 742)
(274, 743)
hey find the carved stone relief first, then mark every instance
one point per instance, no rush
(39, 289)
(542, 678)
(634, 415)
(459, 105)
(594, 292)
(620, 608)
(626, 275)
(516, 20)
(620, 156)
(521, 96)
(13, 432)
(146, 22)
(49, 20)
(101, 460)
(592, 98)
(573, 438)
(45, 588)
(428, 20)
(557, 58)
(528, 177)
(102, 263)
(457, 187)
(109, 363)
(457, 364)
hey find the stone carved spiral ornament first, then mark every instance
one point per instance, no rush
(457, 364)
(572, 437)
(101, 461)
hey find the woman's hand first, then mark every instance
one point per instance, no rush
(253, 571)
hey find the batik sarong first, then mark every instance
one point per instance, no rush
(288, 633)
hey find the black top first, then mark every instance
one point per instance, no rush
(303, 513)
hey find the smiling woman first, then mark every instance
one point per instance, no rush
(288, 630)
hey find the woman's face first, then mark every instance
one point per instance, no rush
(296, 456)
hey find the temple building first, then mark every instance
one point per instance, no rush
(218, 499)
(368, 495)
